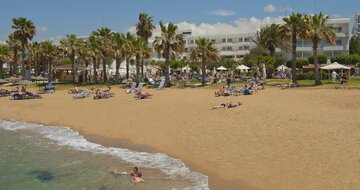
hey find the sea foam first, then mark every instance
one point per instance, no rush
(64, 136)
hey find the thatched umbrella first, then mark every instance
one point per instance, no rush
(12, 79)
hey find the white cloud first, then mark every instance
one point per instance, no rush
(239, 26)
(222, 12)
(42, 29)
(270, 8)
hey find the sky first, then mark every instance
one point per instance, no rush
(54, 19)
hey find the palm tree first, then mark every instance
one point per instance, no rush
(293, 30)
(71, 44)
(104, 37)
(49, 52)
(128, 45)
(96, 55)
(271, 38)
(142, 52)
(25, 30)
(169, 44)
(4, 56)
(15, 46)
(203, 53)
(86, 55)
(119, 52)
(316, 30)
(35, 57)
(144, 29)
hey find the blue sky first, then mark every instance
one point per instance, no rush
(55, 19)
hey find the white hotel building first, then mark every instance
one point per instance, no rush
(238, 45)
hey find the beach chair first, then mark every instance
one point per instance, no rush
(82, 94)
(131, 89)
(161, 85)
(233, 90)
(49, 87)
(140, 86)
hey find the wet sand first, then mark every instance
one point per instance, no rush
(276, 140)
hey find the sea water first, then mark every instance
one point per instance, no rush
(39, 157)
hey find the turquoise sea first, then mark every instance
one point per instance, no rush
(40, 157)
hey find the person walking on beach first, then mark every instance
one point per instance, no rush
(334, 75)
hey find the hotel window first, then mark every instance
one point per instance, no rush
(191, 41)
(185, 50)
(229, 40)
(241, 40)
(241, 48)
(223, 48)
(338, 42)
(224, 40)
(299, 54)
(229, 48)
(338, 29)
(246, 39)
(246, 47)
(213, 41)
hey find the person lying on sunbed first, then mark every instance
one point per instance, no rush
(223, 91)
(227, 105)
(246, 90)
(74, 91)
(142, 95)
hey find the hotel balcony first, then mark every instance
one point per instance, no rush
(333, 48)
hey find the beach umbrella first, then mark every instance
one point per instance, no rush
(222, 68)
(242, 67)
(282, 68)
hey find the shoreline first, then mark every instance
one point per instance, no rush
(296, 139)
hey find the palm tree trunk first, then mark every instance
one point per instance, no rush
(272, 52)
(167, 74)
(50, 71)
(104, 70)
(316, 65)
(203, 70)
(137, 70)
(86, 71)
(95, 72)
(117, 74)
(73, 65)
(142, 68)
(1, 70)
(23, 62)
(127, 68)
(15, 68)
(293, 71)
(11, 69)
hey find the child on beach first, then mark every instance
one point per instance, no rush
(136, 173)
(227, 105)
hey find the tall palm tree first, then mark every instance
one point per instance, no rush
(271, 38)
(86, 55)
(35, 57)
(25, 30)
(4, 56)
(142, 52)
(144, 29)
(293, 30)
(97, 55)
(128, 45)
(104, 37)
(50, 52)
(316, 30)
(204, 53)
(71, 45)
(169, 45)
(15, 46)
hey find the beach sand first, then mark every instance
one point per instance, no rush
(298, 139)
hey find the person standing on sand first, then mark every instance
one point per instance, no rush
(334, 75)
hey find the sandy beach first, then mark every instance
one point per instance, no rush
(298, 139)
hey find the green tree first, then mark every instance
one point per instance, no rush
(15, 46)
(316, 30)
(104, 38)
(203, 53)
(71, 45)
(144, 29)
(351, 59)
(169, 45)
(25, 30)
(293, 29)
(354, 45)
(322, 59)
(4, 57)
(142, 52)
(50, 53)
(119, 52)
(270, 37)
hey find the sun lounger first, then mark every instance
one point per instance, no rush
(49, 88)
(82, 94)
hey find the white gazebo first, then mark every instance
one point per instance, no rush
(222, 68)
(336, 66)
(242, 68)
